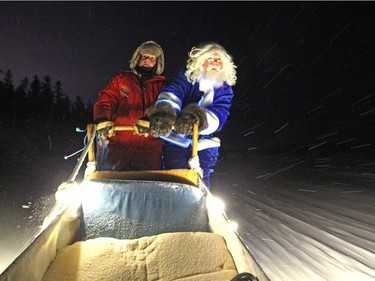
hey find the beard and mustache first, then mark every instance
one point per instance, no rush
(216, 77)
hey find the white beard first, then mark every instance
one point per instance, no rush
(216, 77)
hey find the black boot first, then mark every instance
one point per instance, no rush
(245, 276)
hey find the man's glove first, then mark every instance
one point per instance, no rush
(141, 127)
(162, 117)
(189, 115)
(105, 129)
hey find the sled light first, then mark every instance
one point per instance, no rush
(216, 204)
(233, 225)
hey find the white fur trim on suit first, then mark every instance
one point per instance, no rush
(213, 123)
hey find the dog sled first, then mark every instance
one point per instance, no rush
(135, 225)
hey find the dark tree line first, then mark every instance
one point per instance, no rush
(39, 99)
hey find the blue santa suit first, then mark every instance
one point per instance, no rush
(179, 92)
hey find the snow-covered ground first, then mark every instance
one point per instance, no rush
(299, 222)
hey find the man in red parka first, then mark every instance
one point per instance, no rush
(122, 102)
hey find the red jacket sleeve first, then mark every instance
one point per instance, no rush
(108, 100)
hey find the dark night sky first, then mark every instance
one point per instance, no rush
(297, 61)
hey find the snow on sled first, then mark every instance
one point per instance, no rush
(139, 225)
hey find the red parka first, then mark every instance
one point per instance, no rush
(123, 101)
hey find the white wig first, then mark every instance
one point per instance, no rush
(198, 55)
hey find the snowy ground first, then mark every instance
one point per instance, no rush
(27, 195)
(303, 222)
(32, 166)
(302, 219)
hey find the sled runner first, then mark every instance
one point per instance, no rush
(137, 225)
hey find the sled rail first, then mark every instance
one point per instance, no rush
(190, 177)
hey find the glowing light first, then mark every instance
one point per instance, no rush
(233, 225)
(216, 204)
(92, 195)
(68, 199)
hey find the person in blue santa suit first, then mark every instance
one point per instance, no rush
(201, 92)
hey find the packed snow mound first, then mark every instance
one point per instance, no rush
(181, 256)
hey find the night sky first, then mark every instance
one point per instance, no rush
(304, 68)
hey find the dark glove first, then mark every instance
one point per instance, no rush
(141, 127)
(162, 117)
(105, 129)
(189, 115)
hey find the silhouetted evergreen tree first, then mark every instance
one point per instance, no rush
(78, 109)
(6, 91)
(34, 97)
(90, 112)
(46, 97)
(67, 105)
(39, 99)
(62, 103)
(20, 106)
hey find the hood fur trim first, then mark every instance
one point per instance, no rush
(152, 48)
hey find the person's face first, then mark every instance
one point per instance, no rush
(213, 63)
(147, 60)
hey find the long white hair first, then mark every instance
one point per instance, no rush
(198, 55)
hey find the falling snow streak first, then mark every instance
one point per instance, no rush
(248, 133)
(353, 70)
(285, 67)
(344, 142)
(360, 107)
(295, 72)
(315, 109)
(306, 190)
(251, 148)
(318, 58)
(298, 44)
(273, 18)
(267, 53)
(368, 164)
(315, 146)
(253, 34)
(245, 107)
(296, 16)
(334, 93)
(263, 176)
(339, 33)
(246, 90)
(361, 146)
(324, 159)
(278, 130)
(253, 128)
(352, 191)
(281, 170)
(253, 193)
(361, 100)
(242, 60)
(326, 135)
(306, 19)
(349, 64)
(367, 112)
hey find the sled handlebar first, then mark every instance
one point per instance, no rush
(175, 139)
(124, 128)
(194, 145)
(194, 142)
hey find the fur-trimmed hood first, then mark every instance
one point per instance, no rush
(152, 48)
